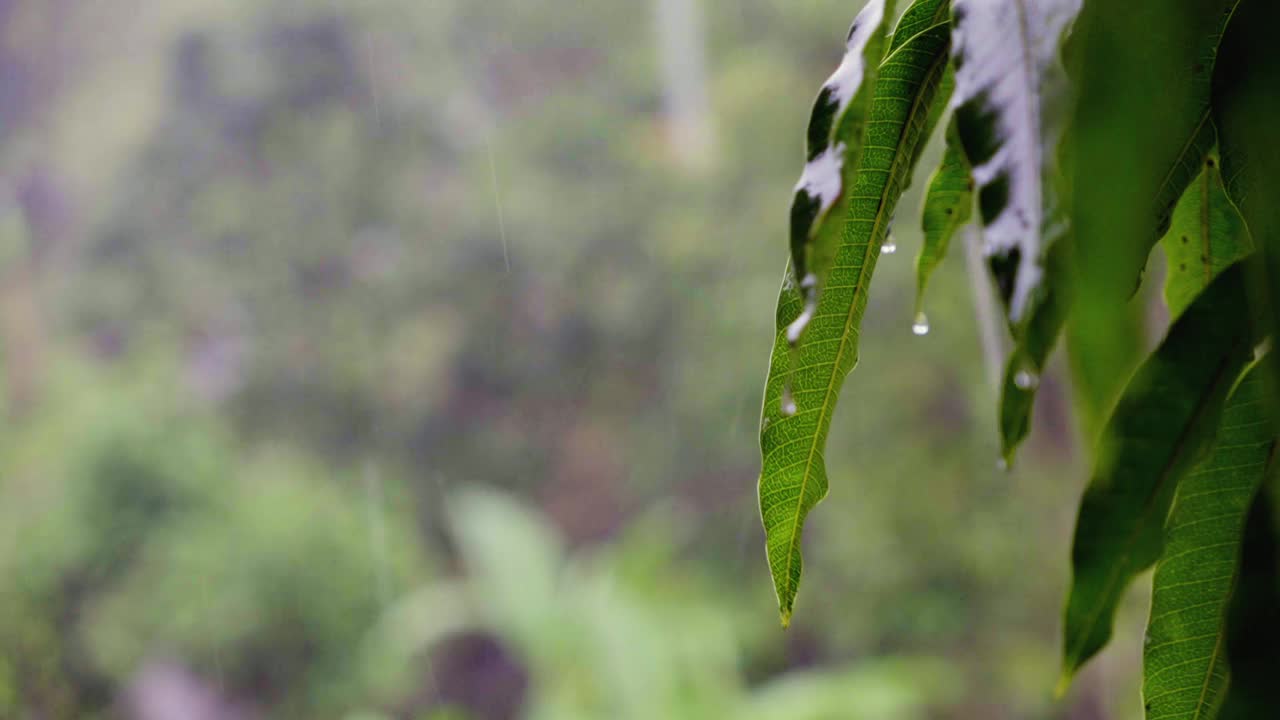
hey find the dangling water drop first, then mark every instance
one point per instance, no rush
(890, 247)
(1026, 380)
(921, 325)
(1002, 465)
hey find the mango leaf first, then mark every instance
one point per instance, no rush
(793, 477)
(1207, 236)
(1030, 354)
(948, 203)
(1185, 654)
(1253, 625)
(1009, 82)
(1246, 106)
(837, 128)
(1162, 426)
(1145, 83)
(1139, 134)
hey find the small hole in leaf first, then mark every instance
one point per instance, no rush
(1184, 239)
(948, 211)
(1182, 266)
(1209, 162)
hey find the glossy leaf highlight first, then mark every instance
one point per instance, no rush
(1009, 83)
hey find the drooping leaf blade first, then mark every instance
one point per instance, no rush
(1009, 82)
(1246, 107)
(1162, 103)
(948, 203)
(1144, 73)
(1030, 354)
(837, 128)
(1162, 426)
(1185, 654)
(1253, 625)
(1206, 237)
(793, 476)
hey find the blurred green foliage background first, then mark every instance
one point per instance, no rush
(402, 360)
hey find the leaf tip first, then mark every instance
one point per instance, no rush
(1064, 684)
(786, 604)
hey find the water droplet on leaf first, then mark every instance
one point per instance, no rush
(890, 247)
(921, 325)
(1026, 380)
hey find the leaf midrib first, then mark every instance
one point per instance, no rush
(1216, 656)
(894, 168)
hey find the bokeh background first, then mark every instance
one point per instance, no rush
(403, 359)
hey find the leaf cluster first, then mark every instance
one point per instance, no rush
(1081, 135)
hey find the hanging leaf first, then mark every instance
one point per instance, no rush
(1133, 121)
(1031, 350)
(792, 438)
(1185, 654)
(1009, 82)
(1207, 236)
(1162, 426)
(1141, 132)
(1253, 625)
(1246, 106)
(948, 203)
(835, 139)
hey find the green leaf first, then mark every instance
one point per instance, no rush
(948, 203)
(1207, 236)
(1246, 106)
(1162, 426)
(1138, 137)
(837, 128)
(1253, 625)
(1184, 659)
(1046, 316)
(1144, 75)
(793, 477)
(1009, 82)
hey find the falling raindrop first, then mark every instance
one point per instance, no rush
(1026, 380)
(921, 324)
